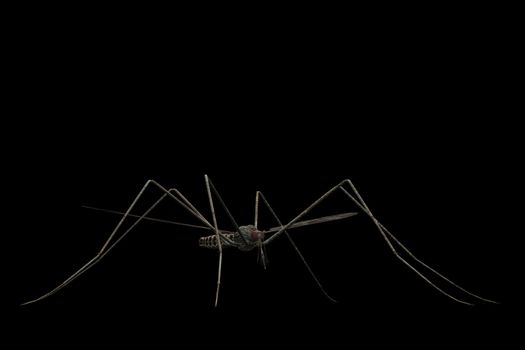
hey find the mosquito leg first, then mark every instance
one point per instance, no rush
(432, 269)
(261, 249)
(386, 234)
(106, 247)
(367, 211)
(232, 219)
(303, 213)
(219, 243)
(256, 209)
(295, 247)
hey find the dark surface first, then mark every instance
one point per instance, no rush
(416, 125)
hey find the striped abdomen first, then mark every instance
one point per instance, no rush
(211, 241)
(250, 238)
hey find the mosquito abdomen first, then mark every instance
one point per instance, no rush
(251, 238)
(210, 242)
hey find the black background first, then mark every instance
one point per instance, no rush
(412, 113)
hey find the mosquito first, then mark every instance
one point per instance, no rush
(250, 237)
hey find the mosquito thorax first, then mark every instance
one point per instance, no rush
(251, 234)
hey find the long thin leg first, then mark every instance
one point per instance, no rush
(295, 247)
(262, 250)
(303, 213)
(431, 269)
(385, 236)
(256, 209)
(219, 243)
(106, 247)
(232, 219)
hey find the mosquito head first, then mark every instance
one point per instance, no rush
(257, 235)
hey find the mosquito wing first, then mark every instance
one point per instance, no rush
(316, 221)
